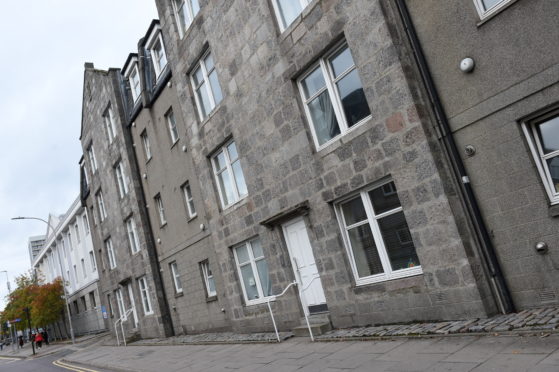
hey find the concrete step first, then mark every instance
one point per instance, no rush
(316, 328)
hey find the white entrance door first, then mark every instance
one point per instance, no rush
(304, 265)
(133, 305)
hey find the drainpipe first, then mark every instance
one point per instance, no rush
(496, 278)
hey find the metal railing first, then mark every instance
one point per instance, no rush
(273, 298)
(121, 320)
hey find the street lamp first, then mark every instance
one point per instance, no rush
(61, 272)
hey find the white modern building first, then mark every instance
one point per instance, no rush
(68, 254)
(35, 245)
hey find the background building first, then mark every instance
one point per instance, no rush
(35, 246)
(68, 254)
(112, 193)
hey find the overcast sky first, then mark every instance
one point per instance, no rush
(44, 47)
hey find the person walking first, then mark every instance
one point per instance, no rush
(39, 340)
(46, 337)
(20, 341)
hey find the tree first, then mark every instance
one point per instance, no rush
(20, 299)
(48, 303)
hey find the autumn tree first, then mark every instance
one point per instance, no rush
(20, 299)
(47, 303)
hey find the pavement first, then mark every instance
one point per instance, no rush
(441, 353)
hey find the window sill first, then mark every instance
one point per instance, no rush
(260, 301)
(493, 13)
(190, 219)
(381, 278)
(212, 113)
(554, 209)
(149, 160)
(163, 225)
(175, 143)
(211, 298)
(353, 132)
(179, 294)
(233, 207)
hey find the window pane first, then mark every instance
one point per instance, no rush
(256, 249)
(365, 251)
(242, 254)
(553, 165)
(324, 119)
(226, 188)
(488, 4)
(353, 98)
(198, 76)
(232, 150)
(289, 10)
(219, 161)
(209, 62)
(249, 282)
(313, 83)
(239, 178)
(384, 198)
(216, 88)
(398, 241)
(195, 7)
(211, 285)
(354, 211)
(549, 135)
(262, 268)
(341, 61)
(204, 100)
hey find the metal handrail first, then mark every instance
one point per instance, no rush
(273, 298)
(122, 319)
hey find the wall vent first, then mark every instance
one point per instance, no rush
(547, 296)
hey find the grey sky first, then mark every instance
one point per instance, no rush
(44, 47)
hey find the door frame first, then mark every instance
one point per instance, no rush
(296, 273)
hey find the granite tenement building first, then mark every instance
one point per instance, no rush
(344, 146)
(111, 191)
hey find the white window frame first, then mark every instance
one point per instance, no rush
(121, 180)
(101, 206)
(85, 221)
(172, 126)
(205, 73)
(160, 209)
(120, 304)
(205, 265)
(324, 65)
(484, 13)
(155, 39)
(176, 277)
(533, 139)
(135, 89)
(133, 235)
(92, 262)
(283, 27)
(147, 145)
(252, 261)
(109, 120)
(144, 295)
(187, 5)
(110, 253)
(92, 160)
(228, 168)
(83, 268)
(77, 228)
(372, 220)
(189, 200)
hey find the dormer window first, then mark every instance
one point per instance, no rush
(157, 52)
(132, 74)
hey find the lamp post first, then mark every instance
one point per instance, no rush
(12, 329)
(61, 272)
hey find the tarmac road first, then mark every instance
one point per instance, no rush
(47, 363)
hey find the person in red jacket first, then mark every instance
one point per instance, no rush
(39, 339)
